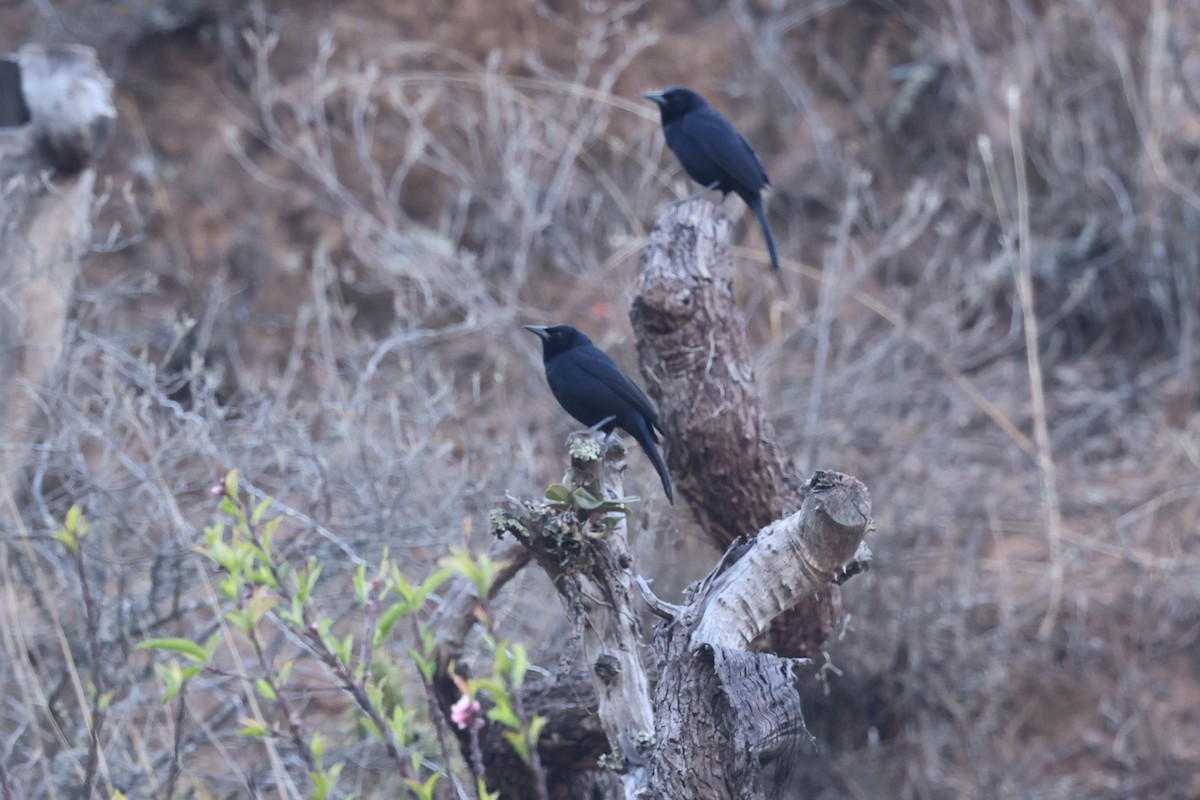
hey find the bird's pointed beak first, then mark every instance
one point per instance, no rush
(654, 97)
(539, 331)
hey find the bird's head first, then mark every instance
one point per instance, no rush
(557, 338)
(675, 102)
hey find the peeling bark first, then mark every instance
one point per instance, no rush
(790, 559)
(729, 720)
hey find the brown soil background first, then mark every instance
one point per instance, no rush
(326, 222)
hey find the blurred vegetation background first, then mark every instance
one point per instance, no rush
(320, 227)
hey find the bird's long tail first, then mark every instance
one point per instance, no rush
(756, 205)
(660, 466)
(646, 439)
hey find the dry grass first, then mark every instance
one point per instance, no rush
(337, 233)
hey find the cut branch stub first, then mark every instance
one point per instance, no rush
(790, 560)
(729, 720)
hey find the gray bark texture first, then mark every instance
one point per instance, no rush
(56, 112)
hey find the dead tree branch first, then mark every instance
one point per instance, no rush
(586, 555)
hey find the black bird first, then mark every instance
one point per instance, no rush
(713, 153)
(591, 388)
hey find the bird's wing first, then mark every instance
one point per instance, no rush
(597, 364)
(716, 137)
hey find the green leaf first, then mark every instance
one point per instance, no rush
(536, 726)
(517, 740)
(240, 620)
(268, 532)
(431, 584)
(185, 647)
(558, 493)
(426, 666)
(481, 572)
(227, 506)
(306, 581)
(482, 792)
(67, 540)
(586, 500)
(490, 685)
(371, 727)
(294, 616)
(317, 746)
(259, 604)
(264, 688)
(172, 676)
(231, 483)
(229, 588)
(424, 791)
(360, 584)
(520, 663)
(324, 781)
(210, 647)
(400, 586)
(259, 510)
(504, 715)
(224, 555)
(394, 613)
(503, 658)
(253, 727)
(399, 723)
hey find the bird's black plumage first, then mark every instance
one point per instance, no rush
(713, 153)
(591, 388)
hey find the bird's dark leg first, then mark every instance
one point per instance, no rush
(602, 423)
(703, 191)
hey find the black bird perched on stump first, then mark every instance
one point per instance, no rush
(713, 153)
(591, 388)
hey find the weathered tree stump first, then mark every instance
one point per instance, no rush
(707, 718)
(56, 113)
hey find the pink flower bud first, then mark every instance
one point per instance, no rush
(465, 713)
